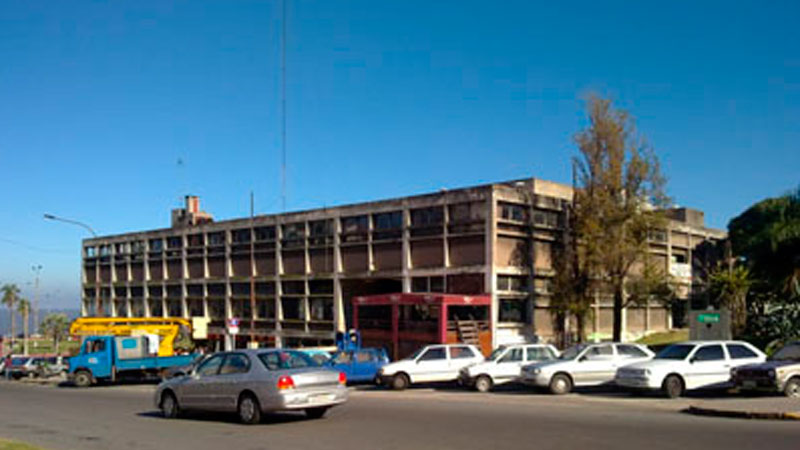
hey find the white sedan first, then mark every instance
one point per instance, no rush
(505, 365)
(433, 363)
(689, 365)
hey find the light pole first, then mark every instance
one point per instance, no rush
(97, 304)
(36, 269)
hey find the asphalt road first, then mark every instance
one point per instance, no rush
(122, 417)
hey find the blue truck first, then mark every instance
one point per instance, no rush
(358, 363)
(111, 358)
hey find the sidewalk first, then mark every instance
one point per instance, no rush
(747, 407)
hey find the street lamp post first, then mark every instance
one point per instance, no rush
(36, 269)
(97, 304)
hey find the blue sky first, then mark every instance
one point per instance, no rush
(99, 101)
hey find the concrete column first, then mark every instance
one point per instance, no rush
(491, 272)
(370, 253)
(339, 322)
(277, 282)
(406, 255)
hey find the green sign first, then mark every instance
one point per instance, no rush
(708, 318)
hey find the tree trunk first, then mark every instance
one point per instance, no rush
(618, 302)
(11, 312)
(25, 333)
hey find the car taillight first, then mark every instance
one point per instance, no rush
(342, 378)
(285, 382)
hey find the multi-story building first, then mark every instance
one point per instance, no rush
(305, 267)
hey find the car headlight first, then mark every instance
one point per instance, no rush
(536, 371)
(647, 372)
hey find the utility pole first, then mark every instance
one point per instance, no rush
(36, 269)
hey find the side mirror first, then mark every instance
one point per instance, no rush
(692, 360)
(583, 358)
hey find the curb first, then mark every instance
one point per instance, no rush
(735, 414)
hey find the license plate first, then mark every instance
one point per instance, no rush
(749, 384)
(320, 398)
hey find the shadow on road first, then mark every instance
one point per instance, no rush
(229, 418)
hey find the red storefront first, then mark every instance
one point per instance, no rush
(402, 323)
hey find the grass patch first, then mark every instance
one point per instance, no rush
(665, 338)
(14, 445)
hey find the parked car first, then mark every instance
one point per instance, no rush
(359, 365)
(179, 371)
(689, 365)
(432, 363)
(48, 366)
(21, 366)
(252, 382)
(504, 365)
(780, 373)
(584, 365)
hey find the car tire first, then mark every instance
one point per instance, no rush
(672, 386)
(82, 379)
(792, 388)
(560, 384)
(316, 413)
(169, 406)
(400, 382)
(483, 383)
(249, 409)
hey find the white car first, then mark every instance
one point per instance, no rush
(689, 365)
(584, 365)
(433, 363)
(504, 365)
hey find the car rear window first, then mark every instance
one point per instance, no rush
(286, 359)
(461, 352)
(739, 351)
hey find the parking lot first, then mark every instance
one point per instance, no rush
(420, 418)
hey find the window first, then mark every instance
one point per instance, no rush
(215, 239)
(545, 218)
(709, 353)
(540, 354)
(286, 359)
(427, 217)
(513, 355)
(96, 346)
(343, 358)
(91, 252)
(175, 242)
(265, 233)
(461, 352)
(512, 283)
(354, 224)
(433, 354)
(210, 367)
(630, 351)
(512, 310)
(739, 351)
(364, 356)
(156, 245)
(241, 236)
(235, 363)
(388, 221)
(513, 212)
(599, 352)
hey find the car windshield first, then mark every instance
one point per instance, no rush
(572, 352)
(286, 359)
(416, 353)
(676, 352)
(496, 353)
(788, 353)
(19, 361)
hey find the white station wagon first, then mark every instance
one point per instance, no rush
(689, 365)
(433, 363)
(504, 365)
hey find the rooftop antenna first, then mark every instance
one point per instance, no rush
(283, 106)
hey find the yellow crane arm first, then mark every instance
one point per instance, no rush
(166, 328)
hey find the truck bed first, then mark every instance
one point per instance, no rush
(154, 362)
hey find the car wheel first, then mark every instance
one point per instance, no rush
(483, 383)
(169, 406)
(316, 413)
(792, 388)
(560, 384)
(82, 379)
(672, 386)
(249, 410)
(400, 382)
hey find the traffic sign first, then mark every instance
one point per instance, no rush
(708, 318)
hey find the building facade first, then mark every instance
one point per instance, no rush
(293, 275)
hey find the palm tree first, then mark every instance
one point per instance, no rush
(24, 308)
(10, 294)
(55, 326)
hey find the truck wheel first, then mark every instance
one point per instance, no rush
(560, 384)
(316, 413)
(792, 388)
(483, 383)
(400, 382)
(82, 379)
(672, 386)
(169, 406)
(249, 410)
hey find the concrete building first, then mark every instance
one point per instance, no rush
(305, 267)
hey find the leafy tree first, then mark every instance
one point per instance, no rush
(55, 326)
(619, 191)
(10, 294)
(728, 287)
(24, 308)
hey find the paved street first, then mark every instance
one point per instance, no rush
(122, 417)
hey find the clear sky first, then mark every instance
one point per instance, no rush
(111, 111)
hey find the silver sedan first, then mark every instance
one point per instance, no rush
(252, 382)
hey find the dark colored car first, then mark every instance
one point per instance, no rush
(780, 373)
